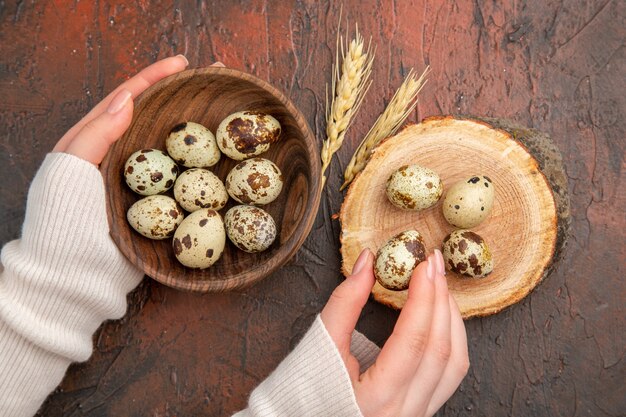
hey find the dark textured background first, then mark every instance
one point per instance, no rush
(558, 66)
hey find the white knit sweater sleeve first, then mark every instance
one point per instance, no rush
(65, 276)
(60, 281)
(312, 380)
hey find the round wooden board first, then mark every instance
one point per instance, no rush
(522, 229)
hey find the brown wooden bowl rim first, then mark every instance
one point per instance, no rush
(288, 249)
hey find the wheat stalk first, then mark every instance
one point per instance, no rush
(350, 82)
(401, 105)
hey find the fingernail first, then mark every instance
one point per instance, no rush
(430, 269)
(441, 267)
(361, 261)
(119, 101)
(218, 64)
(183, 58)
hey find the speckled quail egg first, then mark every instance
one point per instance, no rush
(192, 145)
(467, 203)
(150, 171)
(466, 253)
(250, 228)
(246, 134)
(199, 240)
(255, 181)
(413, 187)
(199, 188)
(396, 260)
(155, 217)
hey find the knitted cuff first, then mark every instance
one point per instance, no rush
(65, 276)
(364, 350)
(311, 381)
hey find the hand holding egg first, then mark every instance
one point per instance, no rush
(396, 260)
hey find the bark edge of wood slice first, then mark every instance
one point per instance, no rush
(526, 230)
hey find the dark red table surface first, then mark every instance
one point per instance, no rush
(557, 66)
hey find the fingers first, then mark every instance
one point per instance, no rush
(344, 307)
(136, 85)
(425, 358)
(93, 140)
(400, 356)
(457, 366)
(437, 353)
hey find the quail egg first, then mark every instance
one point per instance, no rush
(192, 145)
(199, 240)
(250, 228)
(466, 253)
(467, 203)
(155, 217)
(150, 171)
(396, 260)
(255, 181)
(245, 134)
(413, 187)
(199, 188)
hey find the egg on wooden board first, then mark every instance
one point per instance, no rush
(468, 203)
(413, 187)
(467, 253)
(396, 260)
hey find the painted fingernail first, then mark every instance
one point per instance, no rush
(181, 56)
(441, 267)
(119, 101)
(361, 261)
(430, 269)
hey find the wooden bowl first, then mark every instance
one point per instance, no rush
(526, 230)
(207, 96)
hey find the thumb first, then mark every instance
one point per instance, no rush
(344, 307)
(96, 137)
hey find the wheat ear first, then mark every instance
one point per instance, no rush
(350, 82)
(401, 105)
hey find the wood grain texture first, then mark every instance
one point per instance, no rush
(207, 96)
(556, 66)
(521, 229)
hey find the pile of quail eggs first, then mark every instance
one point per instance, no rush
(191, 217)
(466, 204)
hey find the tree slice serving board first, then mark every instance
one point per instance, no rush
(526, 229)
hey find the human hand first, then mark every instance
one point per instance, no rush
(425, 358)
(91, 138)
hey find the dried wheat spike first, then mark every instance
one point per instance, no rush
(401, 105)
(351, 80)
